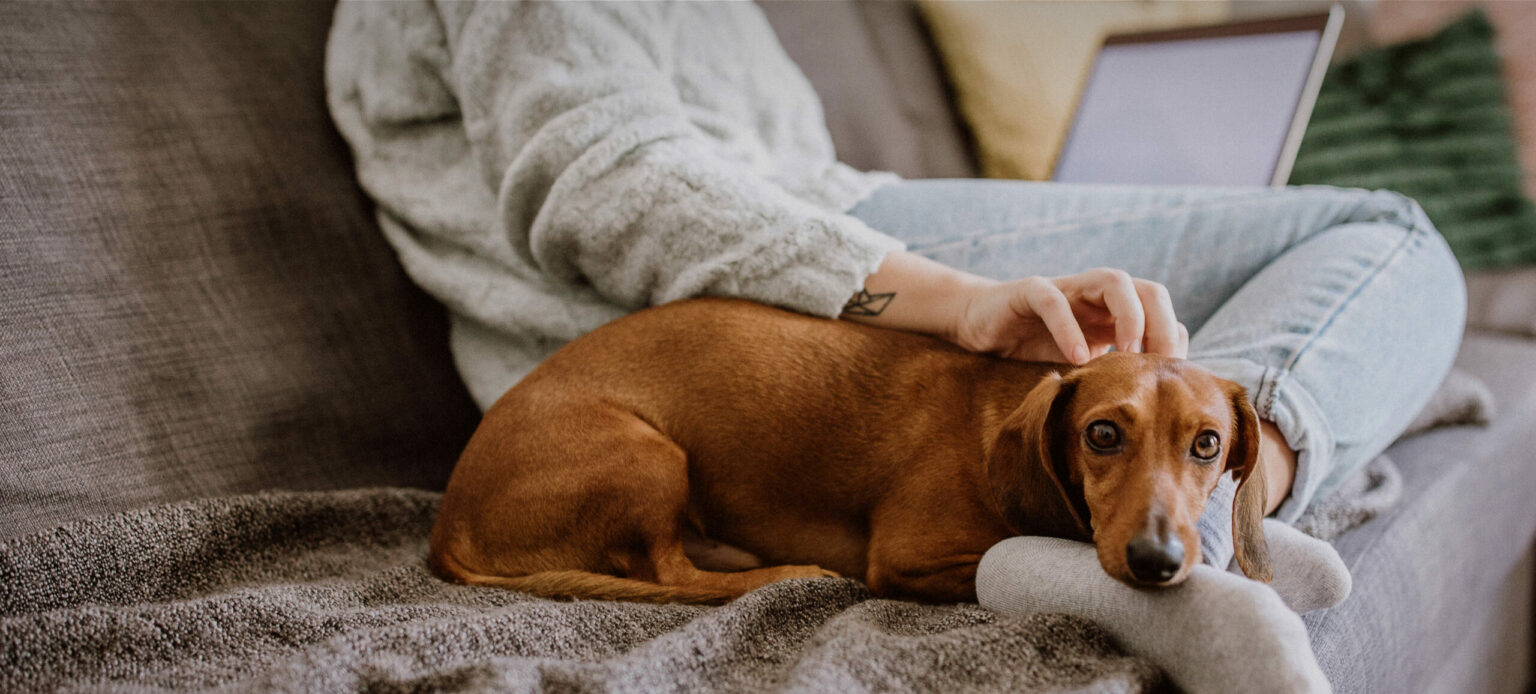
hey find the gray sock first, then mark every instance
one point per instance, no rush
(1215, 524)
(1188, 630)
(1309, 574)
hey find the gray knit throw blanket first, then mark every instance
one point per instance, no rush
(329, 591)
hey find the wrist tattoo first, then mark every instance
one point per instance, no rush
(866, 304)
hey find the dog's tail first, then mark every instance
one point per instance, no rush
(595, 586)
(586, 585)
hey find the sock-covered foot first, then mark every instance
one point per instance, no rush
(1309, 574)
(1215, 525)
(1181, 629)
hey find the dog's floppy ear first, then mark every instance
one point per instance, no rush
(1028, 470)
(1248, 545)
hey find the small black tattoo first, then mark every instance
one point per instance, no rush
(866, 304)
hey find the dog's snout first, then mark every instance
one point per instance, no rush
(1154, 560)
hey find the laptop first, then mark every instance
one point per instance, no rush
(1216, 105)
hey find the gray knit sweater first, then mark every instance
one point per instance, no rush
(543, 168)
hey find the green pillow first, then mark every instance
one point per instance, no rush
(1428, 119)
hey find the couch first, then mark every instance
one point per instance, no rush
(195, 301)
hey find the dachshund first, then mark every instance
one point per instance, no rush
(697, 450)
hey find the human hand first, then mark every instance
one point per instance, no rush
(1071, 318)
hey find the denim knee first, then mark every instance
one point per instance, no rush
(1446, 278)
(1437, 272)
(1429, 313)
(1390, 207)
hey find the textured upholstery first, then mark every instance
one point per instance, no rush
(1433, 572)
(1503, 301)
(885, 98)
(194, 299)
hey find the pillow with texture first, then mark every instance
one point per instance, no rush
(1428, 119)
(1395, 22)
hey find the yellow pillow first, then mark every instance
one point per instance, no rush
(1017, 67)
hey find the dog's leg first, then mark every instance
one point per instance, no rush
(922, 566)
(911, 557)
(685, 558)
(712, 555)
(944, 579)
(673, 568)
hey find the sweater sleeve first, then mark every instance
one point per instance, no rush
(603, 179)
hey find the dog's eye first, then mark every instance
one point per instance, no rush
(1207, 446)
(1102, 436)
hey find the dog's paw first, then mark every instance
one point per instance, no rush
(809, 572)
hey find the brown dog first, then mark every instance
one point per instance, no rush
(812, 446)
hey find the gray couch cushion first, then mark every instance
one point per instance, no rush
(195, 300)
(886, 99)
(1429, 571)
(1502, 300)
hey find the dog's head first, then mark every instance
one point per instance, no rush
(1125, 451)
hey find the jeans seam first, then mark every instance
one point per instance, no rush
(1076, 224)
(1410, 233)
(1272, 392)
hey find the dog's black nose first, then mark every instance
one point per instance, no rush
(1151, 561)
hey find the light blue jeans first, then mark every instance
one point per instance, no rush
(1339, 310)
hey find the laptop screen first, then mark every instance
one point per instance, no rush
(1213, 110)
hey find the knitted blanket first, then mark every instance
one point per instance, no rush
(329, 591)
